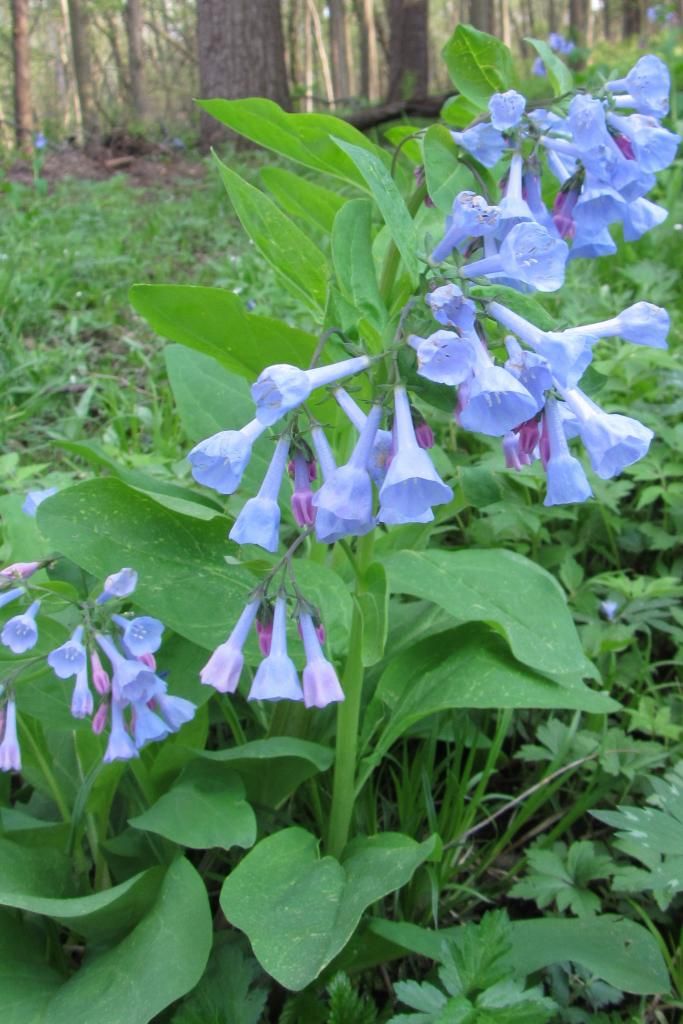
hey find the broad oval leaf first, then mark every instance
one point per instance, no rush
(273, 768)
(479, 64)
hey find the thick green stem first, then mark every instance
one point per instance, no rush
(348, 715)
(392, 258)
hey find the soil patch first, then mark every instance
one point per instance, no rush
(145, 165)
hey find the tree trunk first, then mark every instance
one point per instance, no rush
(323, 60)
(241, 53)
(630, 13)
(136, 60)
(23, 116)
(578, 11)
(606, 19)
(552, 16)
(338, 50)
(80, 46)
(505, 26)
(409, 52)
(482, 15)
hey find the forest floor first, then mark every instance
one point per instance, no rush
(156, 165)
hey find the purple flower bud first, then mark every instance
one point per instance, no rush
(69, 659)
(563, 208)
(538, 68)
(19, 570)
(100, 677)
(219, 461)
(149, 660)
(100, 719)
(302, 498)
(424, 435)
(281, 388)
(321, 685)
(224, 667)
(10, 753)
(276, 677)
(20, 633)
(36, 498)
(506, 109)
(259, 521)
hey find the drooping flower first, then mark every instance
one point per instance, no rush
(506, 109)
(653, 147)
(483, 141)
(7, 596)
(119, 584)
(445, 356)
(344, 502)
(224, 667)
(646, 87)
(36, 498)
(568, 353)
(412, 485)
(612, 441)
(470, 217)
(643, 323)
(81, 698)
(141, 635)
(219, 461)
(69, 659)
(10, 753)
(20, 633)
(282, 387)
(175, 711)
(495, 400)
(259, 521)
(382, 446)
(450, 307)
(567, 481)
(321, 685)
(513, 208)
(148, 727)
(528, 254)
(276, 677)
(131, 679)
(120, 746)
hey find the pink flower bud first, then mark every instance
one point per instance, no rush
(149, 660)
(265, 636)
(100, 677)
(424, 435)
(302, 499)
(529, 434)
(100, 718)
(20, 570)
(625, 146)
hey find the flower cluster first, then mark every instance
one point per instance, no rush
(531, 399)
(134, 699)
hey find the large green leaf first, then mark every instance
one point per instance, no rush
(274, 768)
(301, 137)
(302, 198)
(559, 75)
(204, 808)
(504, 589)
(390, 202)
(161, 959)
(215, 322)
(300, 909)
(446, 175)
(479, 64)
(27, 984)
(102, 525)
(469, 667)
(353, 263)
(300, 263)
(621, 952)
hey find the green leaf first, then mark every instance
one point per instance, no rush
(227, 993)
(272, 769)
(300, 263)
(524, 305)
(559, 75)
(103, 525)
(161, 959)
(353, 263)
(518, 598)
(305, 138)
(446, 175)
(390, 202)
(27, 983)
(204, 808)
(479, 64)
(214, 321)
(302, 198)
(562, 876)
(299, 909)
(374, 603)
(458, 111)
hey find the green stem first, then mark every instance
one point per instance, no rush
(348, 716)
(392, 258)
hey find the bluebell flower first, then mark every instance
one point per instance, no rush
(445, 357)
(412, 485)
(382, 446)
(612, 441)
(470, 217)
(281, 388)
(10, 753)
(566, 479)
(345, 499)
(219, 461)
(131, 679)
(451, 308)
(7, 596)
(641, 216)
(529, 254)
(589, 245)
(643, 323)
(647, 87)
(120, 746)
(175, 711)
(484, 142)
(530, 369)
(559, 44)
(513, 207)
(506, 109)
(259, 521)
(20, 633)
(321, 684)
(531, 184)
(538, 68)
(81, 699)
(148, 727)
(597, 206)
(39, 141)
(224, 667)
(69, 659)
(141, 635)
(494, 400)
(586, 121)
(568, 353)
(609, 609)
(276, 677)
(36, 498)
(653, 146)
(119, 584)
(511, 451)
